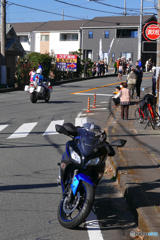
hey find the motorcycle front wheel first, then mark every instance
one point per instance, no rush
(33, 97)
(73, 211)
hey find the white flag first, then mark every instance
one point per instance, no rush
(110, 46)
(100, 50)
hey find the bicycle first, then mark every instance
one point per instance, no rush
(148, 116)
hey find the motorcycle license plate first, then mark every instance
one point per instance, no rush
(31, 89)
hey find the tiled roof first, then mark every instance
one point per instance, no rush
(26, 27)
(62, 25)
(116, 21)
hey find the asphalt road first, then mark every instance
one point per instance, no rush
(28, 164)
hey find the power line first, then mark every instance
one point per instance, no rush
(96, 10)
(40, 10)
(109, 5)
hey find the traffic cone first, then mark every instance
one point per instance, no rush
(88, 108)
(94, 102)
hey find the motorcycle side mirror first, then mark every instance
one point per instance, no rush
(61, 129)
(118, 143)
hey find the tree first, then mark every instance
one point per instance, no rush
(24, 66)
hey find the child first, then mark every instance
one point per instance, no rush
(31, 74)
(116, 97)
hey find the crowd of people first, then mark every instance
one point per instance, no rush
(99, 69)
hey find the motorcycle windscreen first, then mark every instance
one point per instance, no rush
(87, 141)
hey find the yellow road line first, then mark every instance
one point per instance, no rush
(87, 90)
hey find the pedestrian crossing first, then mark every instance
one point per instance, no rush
(26, 128)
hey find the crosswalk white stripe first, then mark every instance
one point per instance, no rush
(51, 128)
(23, 130)
(3, 127)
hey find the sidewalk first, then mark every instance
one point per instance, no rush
(137, 168)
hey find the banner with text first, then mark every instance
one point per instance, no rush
(66, 62)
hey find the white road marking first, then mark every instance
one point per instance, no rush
(93, 227)
(23, 130)
(97, 94)
(104, 102)
(3, 127)
(51, 128)
(98, 108)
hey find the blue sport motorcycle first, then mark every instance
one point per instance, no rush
(81, 168)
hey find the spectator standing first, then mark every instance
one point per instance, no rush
(85, 69)
(102, 68)
(116, 97)
(32, 73)
(125, 101)
(139, 74)
(115, 67)
(132, 79)
(150, 65)
(94, 69)
(154, 82)
(99, 67)
(140, 64)
(129, 65)
(120, 71)
(146, 65)
(106, 65)
(124, 66)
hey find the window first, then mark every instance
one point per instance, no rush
(127, 33)
(90, 34)
(113, 57)
(89, 54)
(127, 55)
(75, 37)
(68, 37)
(24, 38)
(134, 34)
(44, 38)
(106, 34)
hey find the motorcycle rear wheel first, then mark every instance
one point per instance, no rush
(47, 97)
(73, 212)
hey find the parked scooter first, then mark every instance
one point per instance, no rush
(81, 168)
(39, 89)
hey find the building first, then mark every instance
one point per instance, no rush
(26, 34)
(60, 37)
(122, 31)
(13, 49)
(119, 34)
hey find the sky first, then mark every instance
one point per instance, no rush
(20, 14)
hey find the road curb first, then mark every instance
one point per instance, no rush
(139, 204)
(56, 83)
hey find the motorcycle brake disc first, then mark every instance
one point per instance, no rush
(68, 207)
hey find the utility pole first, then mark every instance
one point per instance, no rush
(3, 44)
(158, 60)
(140, 32)
(62, 14)
(124, 7)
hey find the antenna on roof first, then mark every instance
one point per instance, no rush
(62, 14)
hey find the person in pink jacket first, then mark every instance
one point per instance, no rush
(125, 101)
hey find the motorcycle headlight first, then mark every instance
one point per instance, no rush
(93, 162)
(74, 156)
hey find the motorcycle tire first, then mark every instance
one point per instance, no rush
(33, 98)
(83, 207)
(47, 97)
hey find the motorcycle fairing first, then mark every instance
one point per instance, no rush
(80, 177)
